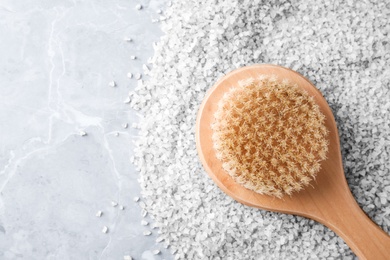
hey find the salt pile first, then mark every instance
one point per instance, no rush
(343, 48)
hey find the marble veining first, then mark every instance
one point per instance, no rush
(56, 60)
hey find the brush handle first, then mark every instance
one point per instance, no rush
(347, 219)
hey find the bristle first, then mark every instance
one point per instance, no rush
(270, 135)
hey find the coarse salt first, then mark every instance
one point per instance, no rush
(323, 41)
(112, 84)
(145, 68)
(105, 229)
(147, 233)
(127, 100)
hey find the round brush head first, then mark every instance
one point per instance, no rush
(270, 136)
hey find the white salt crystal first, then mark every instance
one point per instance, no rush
(112, 84)
(156, 252)
(129, 75)
(145, 68)
(138, 76)
(142, 204)
(138, 7)
(121, 207)
(114, 203)
(127, 39)
(82, 133)
(99, 214)
(105, 229)
(144, 222)
(133, 57)
(125, 125)
(136, 199)
(116, 133)
(147, 233)
(127, 257)
(127, 100)
(159, 11)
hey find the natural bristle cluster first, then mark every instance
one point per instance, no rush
(270, 136)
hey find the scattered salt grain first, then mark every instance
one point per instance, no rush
(133, 57)
(127, 39)
(159, 11)
(129, 75)
(147, 233)
(138, 7)
(114, 203)
(82, 133)
(136, 199)
(127, 257)
(144, 222)
(121, 207)
(105, 229)
(142, 204)
(127, 100)
(112, 84)
(145, 68)
(125, 125)
(99, 214)
(116, 133)
(156, 252)
(138, 76)
(154, 226)
(159, 239)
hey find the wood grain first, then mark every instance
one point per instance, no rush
(328, 200)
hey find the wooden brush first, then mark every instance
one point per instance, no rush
(264, 132)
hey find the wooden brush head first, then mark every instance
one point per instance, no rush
(269, 135)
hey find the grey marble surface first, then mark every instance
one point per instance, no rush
(56, 60)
